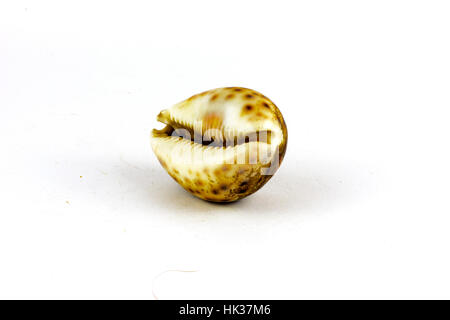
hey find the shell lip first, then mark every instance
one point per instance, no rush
(219, 137)
(213, 141)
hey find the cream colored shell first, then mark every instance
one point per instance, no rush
(250, 142)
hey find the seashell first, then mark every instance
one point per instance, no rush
(223, 144)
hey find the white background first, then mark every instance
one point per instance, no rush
(359, 208)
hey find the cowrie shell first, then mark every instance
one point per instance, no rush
(223, 144)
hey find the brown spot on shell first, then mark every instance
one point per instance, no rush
(249, 96)
(223, 187)
(229, 96)
(266, 105)
(214, 97)
(215, 191)
(237, 89)
(244, 189)
(247, 110)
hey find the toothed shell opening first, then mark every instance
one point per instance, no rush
(223, 144)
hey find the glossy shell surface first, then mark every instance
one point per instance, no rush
(223, 144)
